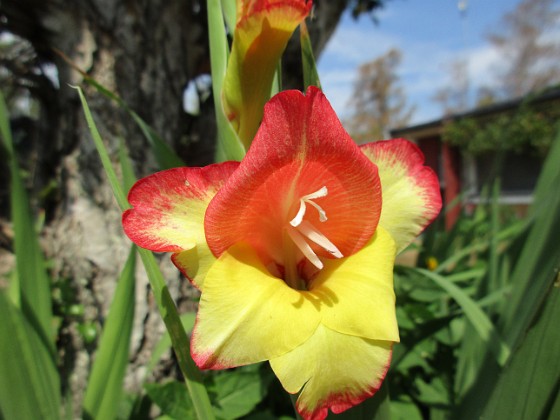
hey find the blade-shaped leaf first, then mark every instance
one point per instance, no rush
(165, 155)
(105, 385)
(310, 73)
(230, 14)
(530, 384)
(29, 382)
(166, 305)
(474, 314)
(34, 283)
(541, 253)
(229, 146)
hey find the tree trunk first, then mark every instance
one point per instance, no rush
(146, 52)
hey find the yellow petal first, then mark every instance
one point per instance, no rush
(360, 291)
(194, 263)
(336, 371)
(246, 315)
(411, 194)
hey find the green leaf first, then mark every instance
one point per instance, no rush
(166, 305)
(34, 283)
(237, 393)
(29, 381)
(128, 177)
(405, 410)
(164, 344)
(165, 155)
(172, 399)
(310, 73)
(377, 407)
(470, 357)
(482, 325)
(530, 280)
(230, 14)
(433, 393)
(228, 147)
(541, 253)
(529, 386)
(105, 385)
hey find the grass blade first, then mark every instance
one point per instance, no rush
(530, 281)
(474, 314)
(310, 73)
(229, 9)
(128, 177)
(29, 382)
(165, 303)
(105, 385)
(34, 283)
(165, 155)
(228, 146)
(530, 384)
(540, 256)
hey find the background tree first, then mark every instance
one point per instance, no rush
(454, 97)
(528, 43)
(378, 102)
(146, 52)
(528, 48)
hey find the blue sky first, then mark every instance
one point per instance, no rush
(430, 34)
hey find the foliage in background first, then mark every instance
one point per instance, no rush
(530, 127)
(477, 319)
(477, 336)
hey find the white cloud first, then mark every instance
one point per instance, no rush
(426, 59)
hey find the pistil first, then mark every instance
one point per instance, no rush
(291, 273)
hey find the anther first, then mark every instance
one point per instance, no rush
(307, 199)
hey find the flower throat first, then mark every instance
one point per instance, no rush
(301, 232)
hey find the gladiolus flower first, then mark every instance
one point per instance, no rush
(297, 244)
(260, 37)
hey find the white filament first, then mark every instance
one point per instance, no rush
(304, 230)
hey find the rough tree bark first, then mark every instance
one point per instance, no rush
(146, 51)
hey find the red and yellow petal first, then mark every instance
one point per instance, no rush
(411, 194)
(246, 315)
(333, 371)
(361, 291)
(262, 32)
(300, 148)
(169, 206)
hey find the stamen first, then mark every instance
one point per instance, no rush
(310, 232)
(301, 231)
(304, 247)
(306, 199)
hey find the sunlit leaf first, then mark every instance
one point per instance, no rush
(310, 73)
(33, 281)
(474, 314)
(29, 381)
(528, 386)
(105, 384)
